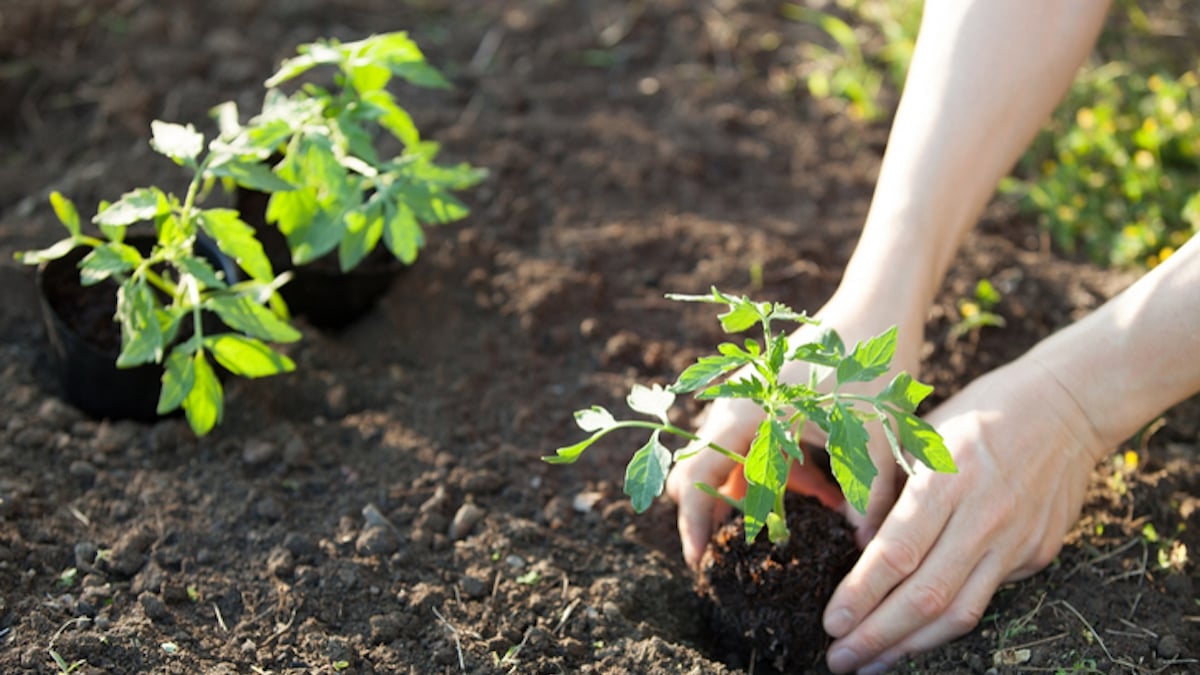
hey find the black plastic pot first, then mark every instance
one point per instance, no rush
(86, 340)
(319, 291)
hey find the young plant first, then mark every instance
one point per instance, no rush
(787, 407)
(163, 289)
(328, 143)
(977, 312)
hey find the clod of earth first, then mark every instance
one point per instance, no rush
(764, 601)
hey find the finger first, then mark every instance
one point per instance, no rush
(925, 598)
(697, 510)
(807, 479)
(905, 538)
(960, 618)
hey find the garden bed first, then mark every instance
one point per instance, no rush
(634, 149)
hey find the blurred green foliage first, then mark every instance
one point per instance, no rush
(1116, 172)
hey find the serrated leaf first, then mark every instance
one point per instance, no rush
(202, 271)
(922, 441)
(654, 401)
(290, 68)
(244, 315)
(870, 358)
(394, 118)
(141, 333)
(646, 474)
(741, 315)
(179, 374)
(105, 261)
(849, 457)
(594, 419)
(205, 403)
(247, 357)
(179, 142)
(64, 210)
(402, 233)
(705, 370)
(362, 233)
(236, 239)
(783, 438)
(748, 387)
(433, 206)
(905, 393)
(368, 77)
(815, 352)
(757, 507)
(251, 174)
(134, 206)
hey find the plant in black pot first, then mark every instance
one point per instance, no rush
(361, 171)
(765, 596)
(142, 324)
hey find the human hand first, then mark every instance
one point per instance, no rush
(1024, 451)
(732, 423)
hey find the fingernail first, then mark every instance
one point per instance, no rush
(875, 668)
(839, 622)
(841, 660)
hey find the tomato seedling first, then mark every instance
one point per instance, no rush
(161, 289)
(752, 371)
(328, 143)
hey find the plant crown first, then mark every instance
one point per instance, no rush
(347, 196)
(788, 407)
(159, 291)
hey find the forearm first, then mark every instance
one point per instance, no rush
(985, 76)
(1135, 356)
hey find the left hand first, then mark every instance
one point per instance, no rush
(1024, 451)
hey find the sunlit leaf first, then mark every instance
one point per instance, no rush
(646, 474)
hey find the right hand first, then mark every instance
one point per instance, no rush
(732, 423)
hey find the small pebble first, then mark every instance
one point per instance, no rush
(154, 608)
(464, 520)
(281, 563)
(377, 541)
(474, 587)
(259, 452)
(1168, 647)
(374, 517)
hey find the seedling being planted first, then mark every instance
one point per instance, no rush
(163, 289)
(787, 408)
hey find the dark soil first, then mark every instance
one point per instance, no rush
(383, 509)
(764, 602)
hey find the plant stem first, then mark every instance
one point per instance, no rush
(672, 429)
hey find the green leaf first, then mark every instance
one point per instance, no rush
(368, 77)
(394, 118)
(568, 454)
(818, 353)
(433, 205)
(654, 401)
(402, 233)
(290, 68)
(141, 333)
(924, 442)
(64, 209)
(181, 143)
(105, 261)
(236, 239)
(251, 174)
(705, 370)
(905, 393)
(134, 206)
(646, 474)
(178, 377)
(247, 357)
(205, 403)
(362, 233)
(869, 360)
(53, 252)
(757, 507)
(202, 271)
(594, 418)
(749, 388)
(849, 458)
(244, 315)
(782, 437)
(741, 315)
